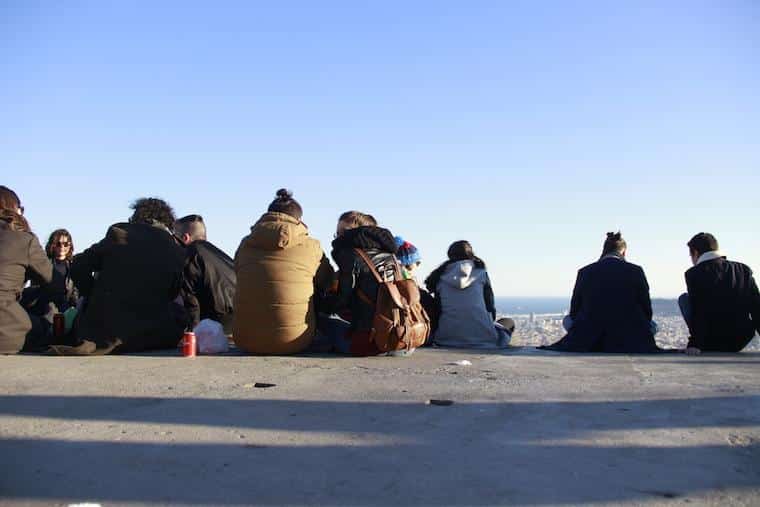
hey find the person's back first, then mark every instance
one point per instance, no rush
(138, 269)
(464, 318)
(208, 279)
(21, 257)
(277, 268)
(216, 292)
(611, 310)
(723, 299)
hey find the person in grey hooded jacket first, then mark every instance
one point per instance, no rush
(465, 298)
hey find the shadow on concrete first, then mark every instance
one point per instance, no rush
(362, 453)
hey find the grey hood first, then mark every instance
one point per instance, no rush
(462, 274)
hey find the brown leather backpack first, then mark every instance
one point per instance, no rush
(400, 322)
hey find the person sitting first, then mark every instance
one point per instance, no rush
(722, 306)
(60, 250)
(281, 271)
(467, 310)
(131, 281)
(22, 259)
(410, 259)
(208, 280)
(610, 310)
(357, 288)
(59, 296)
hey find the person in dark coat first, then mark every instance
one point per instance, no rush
(722, 306)
(357, 287)
(208, 281)
(60, 250)
(21, 259)
(610, 309)
(131, 282)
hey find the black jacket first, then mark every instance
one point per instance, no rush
(21, 258)
(725, 305)
(130, 280)
(355, 276)
(611, 310)
(208, 284)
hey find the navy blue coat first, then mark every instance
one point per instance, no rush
(611, 310)
(725, 305)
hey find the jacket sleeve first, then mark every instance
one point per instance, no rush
(489, 298)
(39, 269)
(698, 326)
(88, 262)
(643, 296)
(192, 282)
(577, 299)
(341, 300)
(754, 302)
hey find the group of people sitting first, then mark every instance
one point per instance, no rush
(153, 277)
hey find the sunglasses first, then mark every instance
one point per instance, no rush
(63, 243)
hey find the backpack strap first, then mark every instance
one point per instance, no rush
(371, 265)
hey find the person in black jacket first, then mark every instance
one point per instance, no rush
(208, 279)
(357, 287)
(610, 309)
(722, 307)
(131, 281)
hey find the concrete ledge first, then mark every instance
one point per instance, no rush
(526, 427)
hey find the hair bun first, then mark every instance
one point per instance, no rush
(284, 194)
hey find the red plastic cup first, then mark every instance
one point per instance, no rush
(59, 325)
(189, 345)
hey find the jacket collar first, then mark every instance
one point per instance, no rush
(613, 255)
(710, 256)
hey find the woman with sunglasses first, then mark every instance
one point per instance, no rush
(60, 251)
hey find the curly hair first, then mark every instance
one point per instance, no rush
(151, 209)
(53, 239)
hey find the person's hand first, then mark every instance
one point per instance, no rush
(692, 351)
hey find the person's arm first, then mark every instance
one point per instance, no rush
(325, 274)
(39, 269)
(192, 279)
(88, 262)
(643, 296)
(340, 300)
(489, 298)
(698, 327)
(577, 299)
(754, 296)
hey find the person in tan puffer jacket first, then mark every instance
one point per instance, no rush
(281, 274)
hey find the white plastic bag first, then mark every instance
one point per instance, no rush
(210, 337)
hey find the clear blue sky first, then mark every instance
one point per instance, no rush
(528, 128)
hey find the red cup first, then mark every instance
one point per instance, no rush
(189, 345)
(59, 325)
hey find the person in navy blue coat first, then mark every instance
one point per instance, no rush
(610, 310)
(722, 307)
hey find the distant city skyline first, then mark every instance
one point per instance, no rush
(529, 129)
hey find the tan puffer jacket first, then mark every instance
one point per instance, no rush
(277, 267)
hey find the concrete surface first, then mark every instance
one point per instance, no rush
(526, 428)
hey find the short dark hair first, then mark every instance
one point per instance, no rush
(284, 203)
(614, 243)
(9, 199)
(54, 237)
(151, 209)
(192, 225)
(703, 242)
